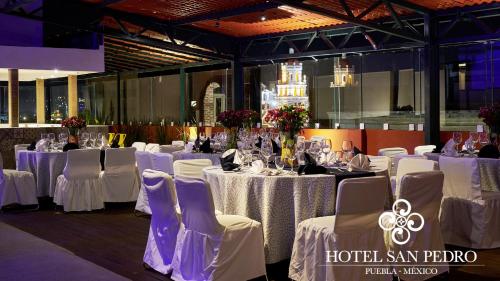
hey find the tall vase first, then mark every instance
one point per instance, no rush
(287, 146)
(232, 137)
(73, 135)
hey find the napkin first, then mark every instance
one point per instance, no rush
(41, 145)
(449, 149)
(227, 161)
(359, 162)
(357, 151)
(257, 167)
(489, 151)
(32, 146)
(205, 147)
(70, 146)
(311, 167)
(189, 147)
(104, 141)
(468, 144)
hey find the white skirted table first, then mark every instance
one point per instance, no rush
(280, 203)
(183, 155)
(45, 166)
(489, 170)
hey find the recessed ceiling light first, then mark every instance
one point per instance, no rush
(263, 18)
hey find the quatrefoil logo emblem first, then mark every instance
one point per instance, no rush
(401, 221)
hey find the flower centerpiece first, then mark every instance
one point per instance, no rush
(234, 119)
(491, 117)
(74, 124)
(290, 120)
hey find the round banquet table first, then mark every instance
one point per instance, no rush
(280, 203)
(489, 170)
(45, 166)
(183, 155)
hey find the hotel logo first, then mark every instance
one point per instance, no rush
(401, 222)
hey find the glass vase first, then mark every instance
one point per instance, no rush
(73, 135)
(232, 137)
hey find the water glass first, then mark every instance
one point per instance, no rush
(43, 136)
(280, 164)
(266, 150)
(326, 148)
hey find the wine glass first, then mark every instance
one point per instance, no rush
(52, 139)
(43, 136)
(326, 148)
(299, 149)
(266, 150)
(93, 139)
(315, 149)
(474, 138)
(483, 139)
(280, 163)
(85, 138)
(247, 152)
(457, 138)
(346, 148)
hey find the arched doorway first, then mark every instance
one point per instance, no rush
(214, 103)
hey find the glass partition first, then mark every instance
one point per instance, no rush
(27, 104)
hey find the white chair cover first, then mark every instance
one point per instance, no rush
(165, 221)
(143, 159)
(178, 143)
(16, 187)
(469, 216)
(380, 162)
(139, 146)
(424, 191)
(210, 247)
(163, 162)
(317, 138)
(411, 165)
(421, 149)
(152, 147)
(360, 201)
(120, 181)
(191, 168)
(79, 187)
(17, 148)
(170, 148)
(391, 151)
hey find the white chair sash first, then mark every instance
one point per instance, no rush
(191, 168)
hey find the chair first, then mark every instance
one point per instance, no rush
(139, 146)
(79, 187)
(152, 147)
(178, 143)
(317, 138)
(19, 147)
(470, 217)
(360, 201)
(391, 151)
(424, 191)
(210, 247)
(120, 181)
(191, 168)
(163, 162)
(410, 165)
(170, 148)
(16, 187)
(421, 149)
(144, 162)
(165, 220)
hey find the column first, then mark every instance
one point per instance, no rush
(431, 80)
(72, 96)
(13, 89)
(40, 101)
(182, 89)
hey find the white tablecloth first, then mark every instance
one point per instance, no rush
(182, 155)
(278, 202)
(489, 169)
(45, 166)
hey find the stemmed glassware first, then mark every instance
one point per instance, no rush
(347, 149)
(43, 136)
(84, 138)
(326, 148)
(93, 139)
(266, 150)
(300, 147)
(280, 164)
(63, 139)
(457, 138)
(52, 139)
(247, 152)
(98, 141)
(474, 137)
(315, 149)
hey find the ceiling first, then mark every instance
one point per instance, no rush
(283, 18)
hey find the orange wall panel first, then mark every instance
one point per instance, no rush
(377, 139)
(337, 136)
